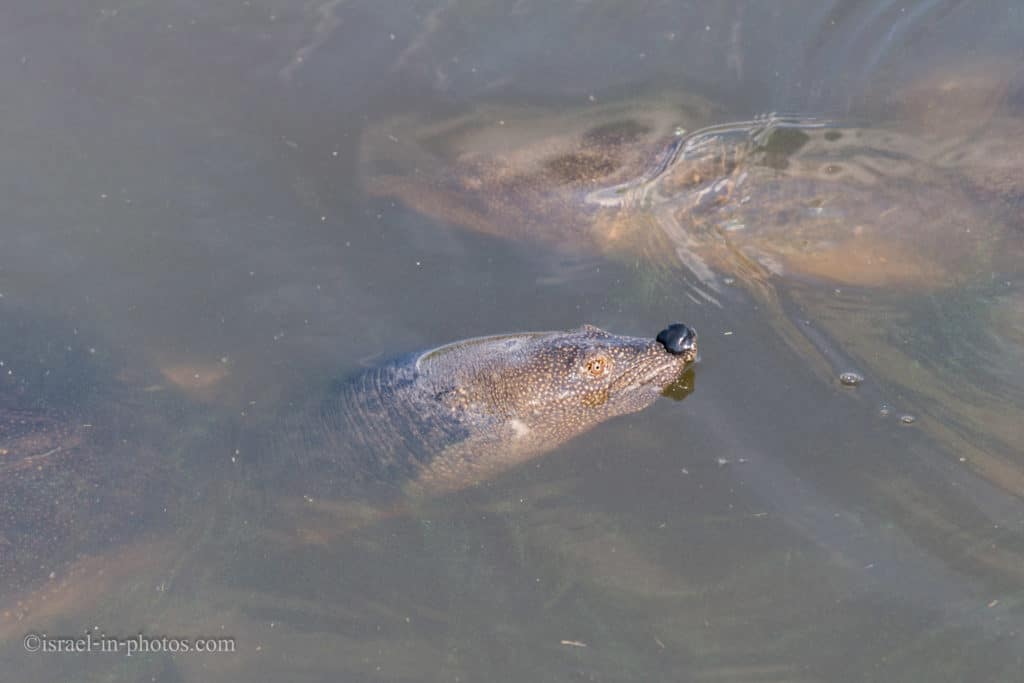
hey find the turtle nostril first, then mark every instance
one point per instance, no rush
(678, 338)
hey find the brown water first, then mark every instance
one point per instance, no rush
(187, 250)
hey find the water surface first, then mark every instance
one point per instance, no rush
(188, 251)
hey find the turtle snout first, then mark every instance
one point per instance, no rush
(679, 339)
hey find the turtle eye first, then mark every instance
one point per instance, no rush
(597, 366)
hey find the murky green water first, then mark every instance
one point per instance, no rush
(208, 212)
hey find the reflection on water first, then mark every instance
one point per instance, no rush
(211, 213)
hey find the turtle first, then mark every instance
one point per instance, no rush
(779, 197)
(447, 418)
(69, 487)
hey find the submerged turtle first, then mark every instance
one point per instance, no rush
(453, 416)
(68, 485)
(796, 198)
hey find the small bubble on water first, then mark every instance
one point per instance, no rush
(850, 379)
(908, 419)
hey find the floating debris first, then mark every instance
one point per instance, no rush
(850, 379)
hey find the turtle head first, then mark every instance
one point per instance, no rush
(517, 396)
(559, 384)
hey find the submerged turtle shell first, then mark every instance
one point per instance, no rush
(789, 197)
(523, 172)
(75, 478)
